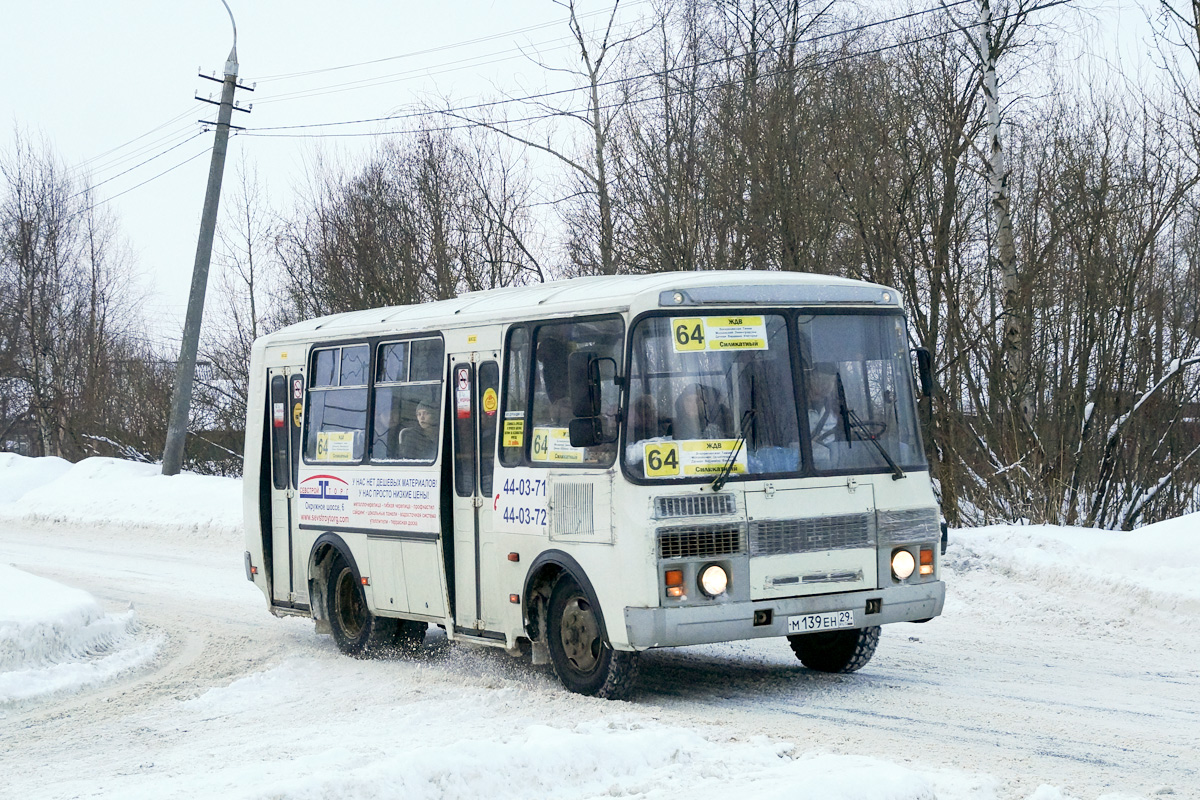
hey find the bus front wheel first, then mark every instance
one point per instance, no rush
(836, 651)
(356, 630)
(582, 658)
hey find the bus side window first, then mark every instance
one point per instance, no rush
(337, 405)
(408, 393)
(516, 398)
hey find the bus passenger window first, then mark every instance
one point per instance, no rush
(408, 393)
(516, 366)
(337, 405)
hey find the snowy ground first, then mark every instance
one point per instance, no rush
(137, 662)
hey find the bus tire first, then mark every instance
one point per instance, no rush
(355, 629)
(836, 651)
(582, 657)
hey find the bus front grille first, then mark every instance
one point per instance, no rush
(774, 537)
(694, 505)
(701, 541)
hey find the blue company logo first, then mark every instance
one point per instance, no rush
(324, 487)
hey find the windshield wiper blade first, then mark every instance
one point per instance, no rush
(727, 470)
(852, 420)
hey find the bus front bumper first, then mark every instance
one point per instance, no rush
(725, 622)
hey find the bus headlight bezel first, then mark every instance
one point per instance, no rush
(713, 580)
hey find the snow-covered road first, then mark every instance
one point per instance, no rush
(1052, 674)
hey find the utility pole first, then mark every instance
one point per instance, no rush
(1015, 328)
(185, 369)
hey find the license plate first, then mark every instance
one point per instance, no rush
(828, 621)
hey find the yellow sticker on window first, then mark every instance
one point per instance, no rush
(554, 445)
(335, 446)
(297, 414)
(661, 459)
(687, 334)
(489, 402)
(514, 433)
(711, 456)
(693, 334)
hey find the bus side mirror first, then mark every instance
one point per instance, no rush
(583, 384)
(585, 431)
(925, 370)
(587, 375)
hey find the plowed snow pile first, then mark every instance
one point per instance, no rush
(57, 639)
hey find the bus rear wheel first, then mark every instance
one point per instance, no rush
(356, 630)
(582, 658)
(836, 651)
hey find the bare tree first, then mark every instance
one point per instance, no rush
(65, 309)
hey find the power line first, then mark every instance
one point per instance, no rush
(189, 112)
(397, 77)
(143, 183)
(136, 166)
(441, 48)
(658, 96)
(159, 142)
(659, 73)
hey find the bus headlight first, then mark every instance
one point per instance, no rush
(714, 580)
(903, 564)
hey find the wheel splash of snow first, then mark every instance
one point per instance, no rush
(55, 638)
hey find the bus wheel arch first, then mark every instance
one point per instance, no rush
(326, 551)
(564, 617)
(540, 578)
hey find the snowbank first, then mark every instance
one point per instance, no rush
(107, 491)
(54, 638)
(1156, 562)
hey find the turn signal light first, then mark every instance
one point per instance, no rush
(926, 561)
(674, 581)
(366, 581)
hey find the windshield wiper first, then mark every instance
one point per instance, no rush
(852, 420)
(727, 470)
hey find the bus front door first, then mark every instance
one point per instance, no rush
(285, 393)
(474, 387)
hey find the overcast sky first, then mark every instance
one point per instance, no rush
(111, 87)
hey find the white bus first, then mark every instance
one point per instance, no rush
(589, 468)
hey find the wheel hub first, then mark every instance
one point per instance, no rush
(580, 635)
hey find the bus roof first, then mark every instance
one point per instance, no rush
(603, 294)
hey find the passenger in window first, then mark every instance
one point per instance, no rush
(419, 442)
(700, 414)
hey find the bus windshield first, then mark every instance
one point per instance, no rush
(718, 395)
